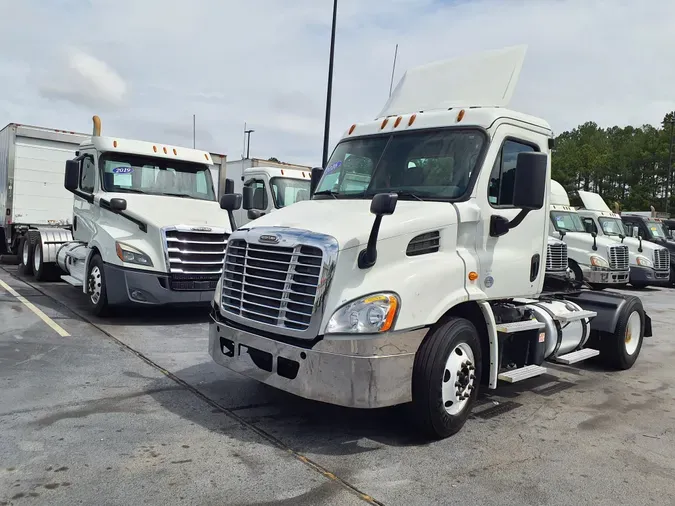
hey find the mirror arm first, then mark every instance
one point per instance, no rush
(500, 226)
(233, 222)
(368, 256)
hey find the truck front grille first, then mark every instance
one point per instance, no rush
(619, 257)
(661, 259)
(273, 285)
(556, 257)
(195, 252)
(193, 282)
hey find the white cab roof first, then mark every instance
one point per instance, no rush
(593, 201)
(112, 144)
(288, 172)
(485, 79)
(558, 194)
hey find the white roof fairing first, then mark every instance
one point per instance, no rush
(485, 79)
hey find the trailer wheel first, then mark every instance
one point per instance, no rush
(26, 251)
(621, 349)
(446, 376)
(96, 287)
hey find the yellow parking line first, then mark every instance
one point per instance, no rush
(56, 327)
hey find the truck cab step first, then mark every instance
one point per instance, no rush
(577, 356)
(71, 280)
(522, 373)
(513, 327)
(573, 316)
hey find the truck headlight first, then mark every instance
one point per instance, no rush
(368, 315)
(597, 261)
(644, 261)
(218, 293)
(131, 255)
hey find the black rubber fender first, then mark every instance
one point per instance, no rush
(608, 306)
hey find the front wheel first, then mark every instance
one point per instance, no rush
(96, 287)
(446, 375)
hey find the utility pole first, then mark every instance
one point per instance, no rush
(248, 142)
(670, 120)
(329, 90)
(194, 131)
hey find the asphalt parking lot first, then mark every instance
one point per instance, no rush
(131, 410)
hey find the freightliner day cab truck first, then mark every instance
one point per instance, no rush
(599, 261)
(649, 263)
(650, 229)
(443, 288)
(146, 226)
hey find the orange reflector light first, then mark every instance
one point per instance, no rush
(473, 276)
(206, 156)
(398, 121)
(391, 314)
(384, 123)
(165, 152)
(282, 172)
(351, 129)
(303, 174)
(154, 148)
(460, 115)
(175, 152)
(114, 144)
(412, 119)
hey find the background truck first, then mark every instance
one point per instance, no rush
(146, 226)
(270, 186)
(31, 181)
(443, 288)
(649, 263)
(598, 261)
(647, 228)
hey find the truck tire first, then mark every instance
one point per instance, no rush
(97, 296)
(40, 269)
(446, 376)
(620, 350)
(26, 251)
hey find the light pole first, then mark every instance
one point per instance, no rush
(329, 91)
(670, 120)
(248, 142)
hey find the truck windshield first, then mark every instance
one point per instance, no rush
(656, 229)
(612, 226)
(287, 191)
(566, 221)
(431, 164)
(155, 176)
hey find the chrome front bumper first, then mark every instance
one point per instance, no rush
(365, 372)
(592, 275)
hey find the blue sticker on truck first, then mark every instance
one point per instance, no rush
(123, 170)
(332, 167)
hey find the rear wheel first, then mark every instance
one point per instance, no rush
(40, 270)
(446, 375)
(621, 349)
(26, 251)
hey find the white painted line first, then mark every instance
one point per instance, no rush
(55, 326)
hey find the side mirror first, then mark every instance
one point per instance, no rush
(594, 235)
(230, 201)
(254, 214)
(71, 179)
(247, 197)
(530, 181)
(229, 186)
(317, 174)
(383, 204)
(118, 205)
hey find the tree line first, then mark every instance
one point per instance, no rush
(628, 166)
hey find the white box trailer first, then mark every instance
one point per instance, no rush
(32, 161)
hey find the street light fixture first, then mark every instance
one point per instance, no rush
(248, 142)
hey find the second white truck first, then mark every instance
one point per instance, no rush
(146, 226)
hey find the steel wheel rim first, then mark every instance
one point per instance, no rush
(631, 337)
(458, 379)
(95, 282)
(24, 252)
(37, 258)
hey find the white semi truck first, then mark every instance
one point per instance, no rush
(443, 288)
(649, 262)
(596, 260)
(146, 226)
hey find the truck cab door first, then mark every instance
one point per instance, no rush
(261, 199)
(84, 209)
(512, 264)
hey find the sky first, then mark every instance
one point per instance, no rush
(146, 66)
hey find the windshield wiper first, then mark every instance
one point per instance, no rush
(406, 193)
(182, 195)
(127, 190)
(332, 193)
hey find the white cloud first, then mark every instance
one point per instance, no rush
(264, 62)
